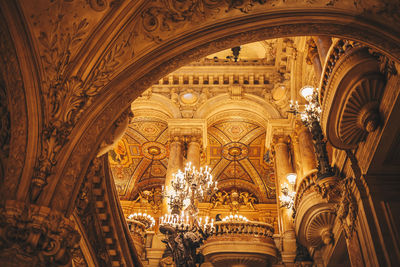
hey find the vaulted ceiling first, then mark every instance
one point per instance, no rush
(239, 103)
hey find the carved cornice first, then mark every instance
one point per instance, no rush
(35, 235)
(338, 49)
(102, 219)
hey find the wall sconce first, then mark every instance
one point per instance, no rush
(288, 193)
(291, 177)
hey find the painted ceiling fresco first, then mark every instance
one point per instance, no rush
(235, 153)
(236, 100)
(132, 165)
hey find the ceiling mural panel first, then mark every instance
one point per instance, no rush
(141, 157)
(241, 164)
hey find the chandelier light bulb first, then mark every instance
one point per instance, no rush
(291, 177)
(307, 92)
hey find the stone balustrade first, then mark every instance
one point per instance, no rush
(138, 232)
(256, 229)
(239, 242)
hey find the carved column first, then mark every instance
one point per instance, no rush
(306, 147)
(193, 151)
(175, 162)
(283, 167)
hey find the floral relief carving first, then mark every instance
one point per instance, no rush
(347, 208)
(67, 97)
(35, 236)
(165, 13)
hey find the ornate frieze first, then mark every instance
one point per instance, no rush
(234, 199)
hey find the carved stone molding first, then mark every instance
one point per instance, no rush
(347, 208)
(315, 210)
(307, 183)
(14, 116)
(35, 235)
(102, 220)
(170, 63)
(352, 89)
(116, 132)
(4, 131)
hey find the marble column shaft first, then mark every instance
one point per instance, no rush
(308, 160)
(283, 167)
(193, 152)
(175, 162)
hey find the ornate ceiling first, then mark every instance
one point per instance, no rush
(239, 105)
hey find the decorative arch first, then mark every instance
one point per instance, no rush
(289, 26)
(149, 59)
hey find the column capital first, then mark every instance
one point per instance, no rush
(281, 139)
(190, 130)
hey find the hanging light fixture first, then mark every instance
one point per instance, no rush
(310, 116)
(183, 229)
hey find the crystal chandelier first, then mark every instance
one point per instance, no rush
(310, 116)
(183, 229)
(189, 186)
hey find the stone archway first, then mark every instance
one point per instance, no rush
(167, 37)
(168, 59)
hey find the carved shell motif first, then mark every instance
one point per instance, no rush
(319, 231)
(361, 113)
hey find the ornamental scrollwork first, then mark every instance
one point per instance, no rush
(162, 16)
(347, 208)
(66, 97)
(36, 235)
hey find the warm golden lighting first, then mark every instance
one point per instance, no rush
(291, 177)
(307, 92)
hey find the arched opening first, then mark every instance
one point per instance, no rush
(166, 39)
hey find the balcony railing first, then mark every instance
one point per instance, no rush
(246, 243)
(256, 229)
(138, 231)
